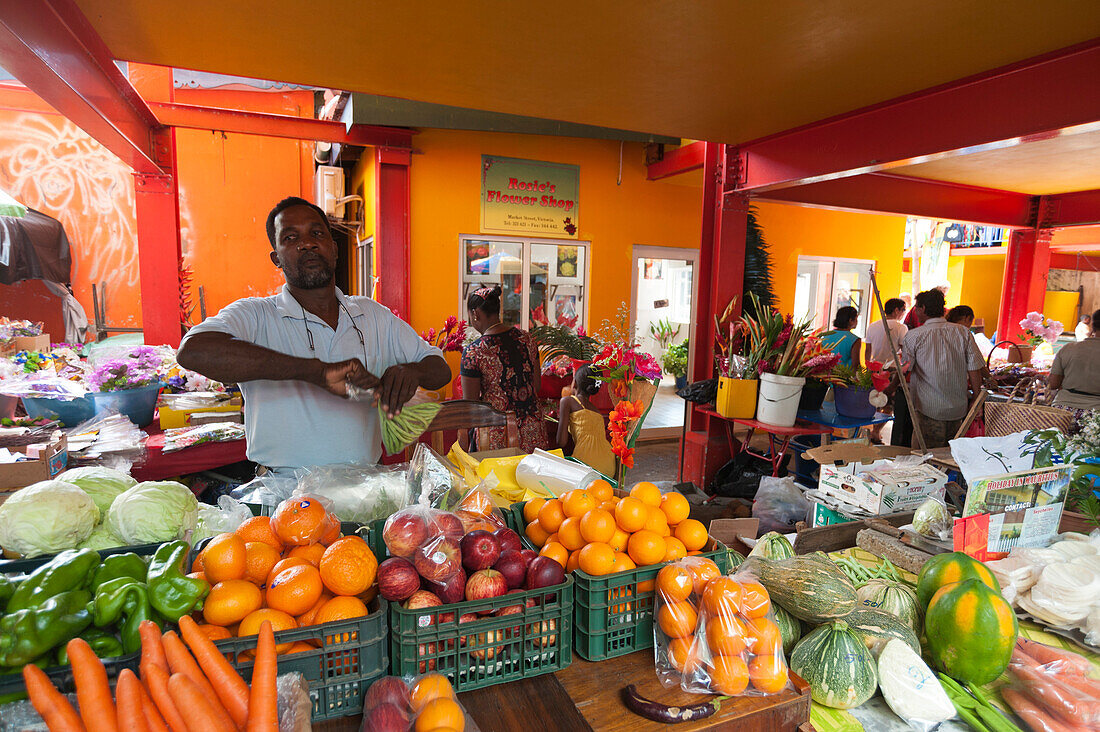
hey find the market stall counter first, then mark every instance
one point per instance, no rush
(159, 465)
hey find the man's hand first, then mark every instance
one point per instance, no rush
(335, 376)
(397, 386)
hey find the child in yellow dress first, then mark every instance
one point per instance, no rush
(582, 428)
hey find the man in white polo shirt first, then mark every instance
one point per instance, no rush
(295, 353)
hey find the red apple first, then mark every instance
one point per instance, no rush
(515, 630)
(423, 599)
(452, 589)
(484, 584)
(482, 644)
(544, 572)
(386, 718)
(404, 532)
(448, 524)
(422, 650)
(512, 565)
(480, 550)
(508, 539)
(387, 690)
(466, 618)
(528, 556)
(438, 560)
(397, 579)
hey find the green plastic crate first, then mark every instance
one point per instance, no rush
(12, 687)
(352, 656)
(491, 649)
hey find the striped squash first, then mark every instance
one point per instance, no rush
(946, 569)
(790, 629)
(877, 628)
(807, 587)
(891, 597)
(971, 631)
(772, 545)
(837, 665)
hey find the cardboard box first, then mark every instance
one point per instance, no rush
(730, 530)
(846, 474)
(822, 515)
(49, 463)
(25, 343)
(175, 418)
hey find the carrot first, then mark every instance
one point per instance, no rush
(1035, 718)
(1068, 661)
(231, 688)
(1083, 684)
(201, 715)
(153, 721)
(93, 693)
(181, 662)
(55, 709)
(131, 716)
(152, 650)
(263, 711)
(1048, 692)
(1018, 656)
(156, 680)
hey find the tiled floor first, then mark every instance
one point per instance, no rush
(666, 416)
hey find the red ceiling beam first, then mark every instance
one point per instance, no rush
(50, 47)
(1063, 260)
(902, 195)
(676, 161)
(1054, 94)
(1073, 209)
(279, 125)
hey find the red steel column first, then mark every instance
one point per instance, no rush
(1027, 263)
(392, 232)
(158, 239)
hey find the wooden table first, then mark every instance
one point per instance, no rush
(588, 696)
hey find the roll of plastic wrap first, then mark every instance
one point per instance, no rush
(542, 472)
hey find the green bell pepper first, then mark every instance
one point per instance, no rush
(69, 570)
(124, 602)
(7, 588)
(41, 662)
(27, 634)
(120, 565)
(103, 644)
(171, 592)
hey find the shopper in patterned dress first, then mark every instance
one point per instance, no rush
(502, 368)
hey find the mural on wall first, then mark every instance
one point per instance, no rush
(51, 165)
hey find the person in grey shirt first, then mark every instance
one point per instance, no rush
(945, 368)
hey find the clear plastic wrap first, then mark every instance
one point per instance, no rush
(542, 470)
(108, 435)
(1057, 689)
(910, 688)
(294, 704)
(425, 702)
(227, 516)
(476, 510)
(361, 493)
(933, 519)
(266, 490)
(434, 480)
(429, 538)
(43, 385)
(183, 437)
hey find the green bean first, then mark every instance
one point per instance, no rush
(990, 713)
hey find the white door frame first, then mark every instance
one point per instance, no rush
(869, 291)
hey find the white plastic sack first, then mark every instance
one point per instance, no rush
(779, 504)
(546, 472)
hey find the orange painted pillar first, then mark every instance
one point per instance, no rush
(1027, 264)
(392, 233)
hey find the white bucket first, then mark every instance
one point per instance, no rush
(778, 402)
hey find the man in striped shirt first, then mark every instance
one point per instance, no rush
(944, 369)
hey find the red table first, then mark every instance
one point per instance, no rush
(159, 466)
(779, 438)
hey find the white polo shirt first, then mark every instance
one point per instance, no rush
(291, 423)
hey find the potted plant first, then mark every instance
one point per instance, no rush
(818, 361)
(663, 332)
(129, 384)
(675, 362)
(859, 391)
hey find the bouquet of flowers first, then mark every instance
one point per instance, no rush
(140, 367)
(561, 366)
(814, 360)
(618, 365)
(620, 425)
(451, 337)
(1040, 329)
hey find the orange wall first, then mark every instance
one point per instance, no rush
(982, 282)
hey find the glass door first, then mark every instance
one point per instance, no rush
(824, 285)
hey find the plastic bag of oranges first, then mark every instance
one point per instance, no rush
(477, 510)
(719, 638)
(416, 704)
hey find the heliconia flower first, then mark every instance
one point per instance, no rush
(450, 323)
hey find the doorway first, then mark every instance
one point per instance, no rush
(823, 285)
(663, 291)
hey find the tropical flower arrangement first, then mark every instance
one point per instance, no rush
(770, 343)
(872, 376)
(139, 368)
(451, 337)
(618, 365)
(620, 424)
(1039, 329)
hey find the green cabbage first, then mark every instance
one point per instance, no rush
(154, 511)
(102, 484)
(46, 518)
(101, 538)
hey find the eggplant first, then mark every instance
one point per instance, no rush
(657, 712)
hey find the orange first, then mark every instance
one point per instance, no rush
(764, 636)
(536, 533)
(677, 619)
(348, 567)
(601, 490)
(476, 502)
(299, 521)
(631, 514)
(196, 566)
(299, 647)
(260, 557)
(647, 493)
(722, 596)
(674, 549)
(440, 714)
(570, 534)
(332, 530)
(310, 615)
(755, 602)
(230, 601)
(682, 656)
(285, 564)
(225, 558)
(645, 548)
(703, 570)
(278, 619)
(655, 521)
(675, 507)
(258, 528)
(618, 540)
(610, 506)
(729, 676)
(647, 586)
(215, 632)
(623, 562)
(531, 509)
(768, 673)
(295, 590)
(726, 635)
(552, 539)
(574, 561)
(674, 583)
(596, 559)
(340, 608)
(312, 553)
(551, 515)
(198, 575)
(555, 551)
(692, 533)
(577, 503)
(598, 525)
(429, 688)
